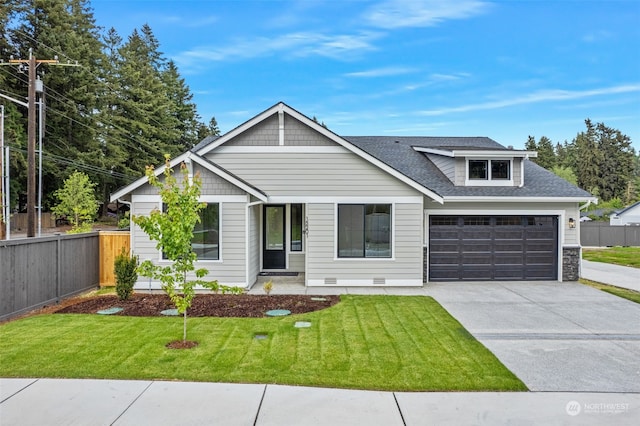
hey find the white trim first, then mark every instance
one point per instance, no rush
(277, 149)
(561, 214)
(144, 198)
(229, 178)
(507, 199)
(280, 125)
(368, 282)
(247, 249)
(284, 199)
(202, 162)
(336, 258)
(489, 181)
(157, 285)
(328, 134)
(491, 153)
(204, 199)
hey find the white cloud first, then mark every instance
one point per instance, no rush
(300, 44)
(422, 13)
(536, 97)
(381, 72)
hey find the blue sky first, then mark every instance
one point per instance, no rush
(502, 69)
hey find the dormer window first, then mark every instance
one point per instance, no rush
(479, 167)
(488, 172)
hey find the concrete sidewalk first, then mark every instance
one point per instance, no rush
(606, 273)
(113, 402)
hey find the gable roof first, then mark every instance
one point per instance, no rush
(209, 165)
(627, 209)
(208, 145)
(399, 153)
(400, 157)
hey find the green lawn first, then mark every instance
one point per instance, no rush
(625, 256)
(397, 343)
(628, 294)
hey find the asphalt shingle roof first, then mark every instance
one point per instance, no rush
(398, 153)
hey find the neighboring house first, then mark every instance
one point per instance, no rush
(627, 216)
(285, 194)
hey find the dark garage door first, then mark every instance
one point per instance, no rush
(477, 248)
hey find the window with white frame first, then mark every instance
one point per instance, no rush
(206, 233)
(481, 170)
(364, 230)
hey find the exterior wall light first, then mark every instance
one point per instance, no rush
(572, 223)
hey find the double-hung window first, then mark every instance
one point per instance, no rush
(364, 230)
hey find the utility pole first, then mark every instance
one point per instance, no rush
(2, 190)
(32, 63)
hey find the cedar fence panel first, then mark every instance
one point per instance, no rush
(111, 243)
(35, 272)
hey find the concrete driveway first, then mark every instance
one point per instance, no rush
(553, 336)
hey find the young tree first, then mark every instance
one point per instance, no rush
(77, 201)
(172, 229)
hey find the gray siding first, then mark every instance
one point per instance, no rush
(265, 133)
(445, 164)
(461, 171)
(312, 174)
(296, 262)
(517, 171)
(213, 184)
(230, 270)
(298, 134)
(405, 268)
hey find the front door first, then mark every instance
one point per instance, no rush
(273, 246)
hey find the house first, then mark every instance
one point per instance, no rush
(286, 195)
(627, 216)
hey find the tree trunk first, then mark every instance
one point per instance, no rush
(184, 327)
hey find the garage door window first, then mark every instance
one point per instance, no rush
(364, 230)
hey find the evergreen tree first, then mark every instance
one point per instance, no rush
(616, 161)
(182, 107)
(588, 157)
(544, 147)
(65, 29)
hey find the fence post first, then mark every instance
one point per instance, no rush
(58, 266)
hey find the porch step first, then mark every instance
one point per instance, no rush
(279, 280)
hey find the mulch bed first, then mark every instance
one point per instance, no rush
(203, 305)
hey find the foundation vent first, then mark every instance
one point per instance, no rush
(330, 281)
(379, 281)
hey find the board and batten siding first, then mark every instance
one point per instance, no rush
(564, 211)
(403, 269)
(311, 174)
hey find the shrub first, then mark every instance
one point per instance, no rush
(126, 275)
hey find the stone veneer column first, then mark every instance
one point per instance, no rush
(570, 263)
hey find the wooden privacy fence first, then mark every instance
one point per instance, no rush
(111, 243)
(35, 272)
(601, 234)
